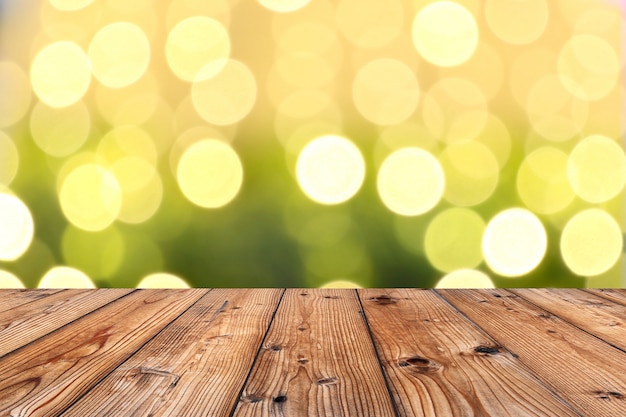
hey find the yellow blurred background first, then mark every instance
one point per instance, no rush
(308, 143)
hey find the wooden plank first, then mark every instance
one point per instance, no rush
(317, 360)
(613, 294)
(46, 376)
(584, 370)
(596, 315)
(195, 367)
(12, 298)
(28, 322)
(439, 364)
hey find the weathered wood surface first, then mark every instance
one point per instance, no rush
(434, 357)
(317, 360)
(210, 349)
(313, 352)
(587, 372)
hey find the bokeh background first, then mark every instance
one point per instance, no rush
(303, 143)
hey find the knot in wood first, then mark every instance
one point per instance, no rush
(251, 399)
(487, 350)
(280, 399)
(327, 381)
(419, 364)
(383, 299)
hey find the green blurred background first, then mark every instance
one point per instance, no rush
(544, 80)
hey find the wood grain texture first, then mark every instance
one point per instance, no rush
(616, 295)
(13, 298)
(439, 364)
(28, 322)
(195, 367)
(584, 370)
(317, 360)
(595, 315)
(46, 376)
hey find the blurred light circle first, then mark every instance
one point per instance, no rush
(195, 43)
(60, 74)
(589, 67)
(130, 105)
(465, 278)
(472, 173)
(330, 169)
(210, 173)
(517, 22)
(445, 33)
(162, 280)
(283, 6)
(553, 112)
(60, 132)
(340, 283)
(9, 159)
(65, 277)
(453, 240)
(454, 110)
(226, 97)
(119, 54)
(591, 242)
(370, 23)
(596, 169)
(16, 227)
(141, 187)
(16, 94)
(410, 181)
(70, 5)
(8, 280)
(126, 141)
(542, 182)
(385, 91)
(514, 242)
(90, 197)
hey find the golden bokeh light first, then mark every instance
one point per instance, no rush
(445, 33)
(60, 132)
(162, 280)
(591, 242)
(9, 159)
(453, 240)
(65, 277)
(410, 181)
(465, 278)
(119, 54)
(527, 68)
(386, 91)
(553, 112)
(589, 67)
(370, 23)
(514, 242)
(188, 138)
(471, 171)
(210, 173)
(16, 227)
(90, 197)
(197, 43)
(330, 169)
(181, 9)
(542, 182)
(226, 97)
(517, 22)
(125, 141)
(16, 94)
(455, 110)
(283, 6)
(596, 169)
(70, 5)
(141, 187)
(131, 105)
(60, 74)
(8, 280)
(403, 135)
(341, 283)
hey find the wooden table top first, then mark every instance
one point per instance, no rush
(313, 352)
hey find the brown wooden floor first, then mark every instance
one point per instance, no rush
(306, 352)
